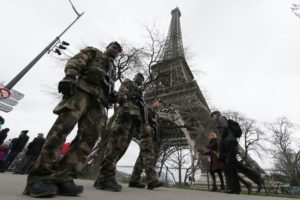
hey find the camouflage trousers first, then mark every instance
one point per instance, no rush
(90, 115)
(145, 159)
(122, 132)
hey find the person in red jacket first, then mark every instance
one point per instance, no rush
(64, 149)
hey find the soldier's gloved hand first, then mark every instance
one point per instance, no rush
(126, 112)
(67, 86)
(148, 129)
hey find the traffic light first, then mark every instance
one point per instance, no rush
(60, 46)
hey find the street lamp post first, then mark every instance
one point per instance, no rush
(14, 81)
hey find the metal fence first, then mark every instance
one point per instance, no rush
(202, 180)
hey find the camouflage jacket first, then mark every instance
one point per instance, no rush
(130, 95)
(91, 67)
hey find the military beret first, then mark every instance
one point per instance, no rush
(116, 44)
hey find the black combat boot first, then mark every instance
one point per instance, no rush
(69, 188)
(154, 184)
(110, 185)
(42, 188)
(136, 184)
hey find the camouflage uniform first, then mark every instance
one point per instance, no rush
(123, 129)
(146, 156)
(85, 107)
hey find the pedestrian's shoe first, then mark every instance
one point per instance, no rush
(110, 185)
(136, 184)
(231, 192)
(42, 188)
(227, 191)
(214, 189)
(69, 188)
(222, 188)
(154, 184)
(261, 183)
(249, 188)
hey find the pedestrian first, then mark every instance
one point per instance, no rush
(17, 145)
(128, 121)
(3, 135)
(228, 152)
(146, 159)
(1, 122)
(3, 152)
(33, 150)
(87, 92)
(64, 149)
(215, 166)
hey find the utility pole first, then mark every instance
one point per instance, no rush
(14, 81)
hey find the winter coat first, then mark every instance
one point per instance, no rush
(3, 135)
(35, 147)
(213, 147)
(65, 148)
(3, 151)
(223, 128)
(19, 143)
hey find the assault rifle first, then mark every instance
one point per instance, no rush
(112, 95)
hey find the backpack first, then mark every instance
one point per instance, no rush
(235, 128)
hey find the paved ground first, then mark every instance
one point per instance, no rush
(12, 186)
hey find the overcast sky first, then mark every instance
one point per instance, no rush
(247, 51)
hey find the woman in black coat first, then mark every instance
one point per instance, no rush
(212, 149)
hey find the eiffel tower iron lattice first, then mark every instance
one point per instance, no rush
(185, 117)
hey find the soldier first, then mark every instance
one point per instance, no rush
(128, 120)
(146, 157)
(86, 91)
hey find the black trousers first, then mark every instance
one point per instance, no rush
(230, 165)
(10, 158)
(26, 164)
(213, 177)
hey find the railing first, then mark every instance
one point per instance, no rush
(202, 180)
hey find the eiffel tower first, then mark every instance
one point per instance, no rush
(185, 116)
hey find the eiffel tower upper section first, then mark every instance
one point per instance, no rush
(174, 46)
(173, 72)
(185, 115)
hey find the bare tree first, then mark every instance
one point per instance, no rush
(178, 160)
(128, 61)
(284, 150)
(191, 170)
(296, 9)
